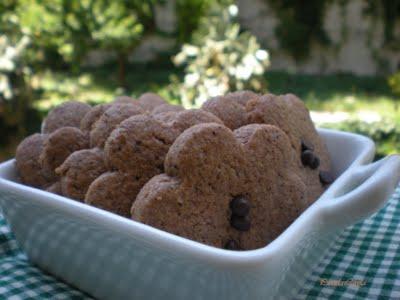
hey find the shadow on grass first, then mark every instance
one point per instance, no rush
(140, 78)
(327, 87)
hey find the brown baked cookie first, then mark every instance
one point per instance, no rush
(286, 112)
(79, 170)
(27, 162)
(231, 108)
(124, 99)
(59, 145)
(68, 114)
(109, 120)
(55, 188)
(291, 115)
(242, 97)
(165, 108)
(115, 192)
(230, 112)
(274, 164)
(92, 116)
(182, 120)
(224, 188)
(149, 101)
(165, 117)
(139, 145)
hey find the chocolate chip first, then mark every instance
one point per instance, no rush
(326, 177)
(232, 245)
(240, 206)
(307, 157)
(314, 163)
(305, 145)
(240, 223)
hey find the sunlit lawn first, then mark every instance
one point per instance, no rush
(320, 92)
(339, 93)
(98, 85)
(329, 93)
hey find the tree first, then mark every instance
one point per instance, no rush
(15, 92)
(74, 27)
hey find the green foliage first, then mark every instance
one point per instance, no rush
(189, 13)
(220, 59)
(16, 115)
(389, 12)
(394, 83)
(300, 25)
(15, 92)
(386, 135)
(72, 28)
(11, 66)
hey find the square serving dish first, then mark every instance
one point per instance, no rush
(111, 257)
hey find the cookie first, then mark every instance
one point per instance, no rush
(182, 120)
(140, 143)
(59, 145)
(165, 117)
(124, 99)
(230, 112)
(92, 116)
(165, 108)
(242, 97)
(284, 187)
(286, 112)
(224, 188)
(79, 170)
(231, 108)
(138, 146)
(290, 114)
(109, 120)
(55, 188)
(68, 114)
(149, 101)
(27, 162)
(115, 192)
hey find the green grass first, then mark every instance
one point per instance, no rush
(320, 92)
(331, 93)
(350, 94)
(99, 85)
(344, 92)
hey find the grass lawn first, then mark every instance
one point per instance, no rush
(99, 85)
(355, 96)
(320, 92)
(334, 93)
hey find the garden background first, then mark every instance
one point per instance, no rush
(341, 57)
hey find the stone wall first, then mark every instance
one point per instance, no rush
(356, 40)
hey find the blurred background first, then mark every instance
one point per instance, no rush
(342, 58)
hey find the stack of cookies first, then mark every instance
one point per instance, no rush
(233, 174)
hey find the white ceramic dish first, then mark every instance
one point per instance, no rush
(110, 257)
